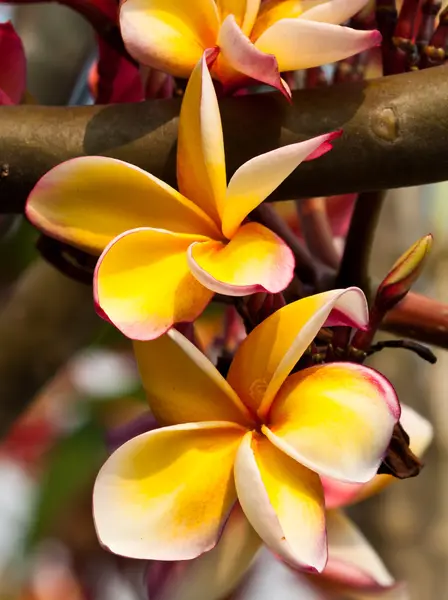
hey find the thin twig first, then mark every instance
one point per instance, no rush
(316, 230)
(358, 245)
(421, 351)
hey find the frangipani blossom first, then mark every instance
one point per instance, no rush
(240, 566)
(262, 437)
(12, 66)
(256, 40)
(177, 249)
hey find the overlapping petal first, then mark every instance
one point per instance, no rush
(169, 35)
(255, 260)
(254, 181)
(244, 11)
(334, 11)
(88, 201)
(12, 65)
(352, 562)
(166, 494)
(283, 501)
(339, 493)
(268, 354)
(201, 169)
(272, 11)
(217, 573)
(336, 419)
(242, 57)
(302, 44)
(183, 386)
(143, 284)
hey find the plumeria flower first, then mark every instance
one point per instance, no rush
(240, 565)
(177, 249)
(256, 40)
(12, 66)
(262, 437)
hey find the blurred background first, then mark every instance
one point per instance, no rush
(49, 460)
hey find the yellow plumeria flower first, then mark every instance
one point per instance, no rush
(166, 253)
(256, 40)
(262, 437)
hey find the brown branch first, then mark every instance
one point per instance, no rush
(355, 260)
(47, 319)
(316, 230)
(420, 318)
(394, 135)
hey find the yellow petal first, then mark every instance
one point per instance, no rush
(272, 11)
(420, 431)
(255, 260)
(143, 284)
(244, 11)
(254, 181)
(183, 386)
(165, 494)
(302, 44)
(283, 501)
(215, 574)
(336, 419)
(88, 201)
(268, 354)
(169, 35)
(201, 168)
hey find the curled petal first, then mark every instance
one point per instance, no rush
(266, 357)
(201, 167)
(169, 35)
(166, 494)
(283, 501)
(143, 284)
(243, 57)
(272, 11)
(334, 11)
(88, 201)
(12, 65)
(196, 390)
(215, 574)
(336, 419)
(254, 181)
(420, 431)
(255, 260)
(302, 44)
(352, 562)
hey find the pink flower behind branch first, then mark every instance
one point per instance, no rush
(12, 65)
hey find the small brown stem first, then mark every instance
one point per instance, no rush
(420, 318)
(355, 260)
(316, 230)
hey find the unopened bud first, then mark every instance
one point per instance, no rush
(403, 274)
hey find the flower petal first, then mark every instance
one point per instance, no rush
(143, 284)
(169, 35)
(255, 260)
(201, 167)
(254, 181)
(217, 573)
(339, 493)
(302, 44)
(12, 64)
(243, 57)
(267, 356)
(283, 501)
(183, 386)
(244, 11)
(336, 419)
(334, 11)
(88, 201)
(166, 494)
(352, 562)
(270, 578)
(272, 11)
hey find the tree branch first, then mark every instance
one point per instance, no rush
(47, 319)
(395, 132)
